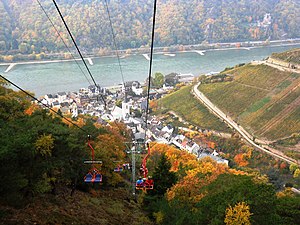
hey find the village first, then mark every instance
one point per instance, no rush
(127, 103)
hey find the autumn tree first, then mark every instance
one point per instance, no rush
(238, 215)
(158, 80)
(44, 145)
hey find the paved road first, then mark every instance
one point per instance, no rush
(238, 128)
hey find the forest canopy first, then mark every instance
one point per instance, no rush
(25, 29)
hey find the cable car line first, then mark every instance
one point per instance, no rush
(56, 30)
(94, 175)
(150, 63)
(114, 42)
(146, 182)
(74, 42)
(116, 50)
(30, 95)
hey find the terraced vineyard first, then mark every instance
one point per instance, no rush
(264, 100)
(292, 56)
(186, 106)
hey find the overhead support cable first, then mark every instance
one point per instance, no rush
(74, 42)
(39, 101)
(114, 42)
(56, 30)
(116, 50)
(150, 63)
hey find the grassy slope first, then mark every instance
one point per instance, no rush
(191, 110)
(98, 207)
(292, 56)
(256, 96)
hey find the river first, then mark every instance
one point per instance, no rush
(65, 76)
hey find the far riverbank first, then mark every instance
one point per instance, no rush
(45, 78)
(59, 57)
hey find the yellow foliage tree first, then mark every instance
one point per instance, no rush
(110, 150)
(296, 173)
(238, 215)
(175, 156)
(44, 145)
(159, 216)
(188, 189)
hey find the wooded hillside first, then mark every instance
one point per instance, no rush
(25, 29)
(42, 172)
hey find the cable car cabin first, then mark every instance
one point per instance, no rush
(122, 167)
(93, 176)
(139, 185)
(126, 166)
(119, 168)
(149, 184)
(144, 184)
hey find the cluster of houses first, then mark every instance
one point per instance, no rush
(167, 134)
(127, 103)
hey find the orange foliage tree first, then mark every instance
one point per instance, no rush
(31, 109)
(194, 174)
(153, 105)
(240, 159)
(176, 157)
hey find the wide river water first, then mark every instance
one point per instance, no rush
(66, 76)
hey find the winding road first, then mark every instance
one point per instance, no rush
(249, 138)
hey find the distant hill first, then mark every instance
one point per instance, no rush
(25, 29)
(292, 56)
(264, 100)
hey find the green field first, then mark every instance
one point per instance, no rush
(291, 124)
(257, 98)
(259, 76)
(267, 113)
(191, 110)
(232, 95)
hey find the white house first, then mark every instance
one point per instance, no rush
(74, 109)
(136, 88)
(178, 141)
(56, 105)
(192, 147)
(125, 109)
(50, 98)
(117, 113)
(44, 102)
(61, 96)
(216, 158)
(169, 129)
